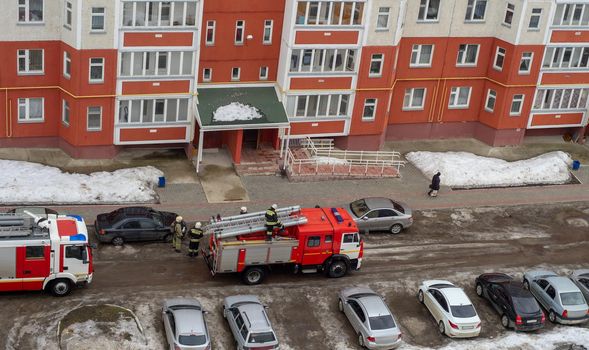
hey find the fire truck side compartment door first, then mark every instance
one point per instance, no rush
(8, 281)
(33, 264)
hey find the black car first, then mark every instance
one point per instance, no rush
(134, 224)
(516, 305)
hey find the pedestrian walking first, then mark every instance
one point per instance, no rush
(196, 234)
(434, 187)
(178, 232)
(271, 221)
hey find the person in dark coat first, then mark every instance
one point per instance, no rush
(435, 185)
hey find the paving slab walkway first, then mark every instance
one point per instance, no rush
(219, 180)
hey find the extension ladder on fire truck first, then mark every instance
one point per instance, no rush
(254, 222)
(16, 225)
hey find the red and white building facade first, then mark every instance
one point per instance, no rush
(95, 76)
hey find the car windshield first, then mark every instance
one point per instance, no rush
(381, 322)
(192, 339)
(398, 207)
(359, 207)
(525, 305)
(259, 338)
(572, 298)
(463, 311)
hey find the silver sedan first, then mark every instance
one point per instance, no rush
(371, 318)
(581, 279)
(185, 325)
(381, 214)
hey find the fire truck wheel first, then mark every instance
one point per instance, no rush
(118, 241)
(253, 275)
(337, 269)
(60, 287)
(396, 228)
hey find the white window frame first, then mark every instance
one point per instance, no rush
(454, 96)
(417, 50)
(517, 98)
(204, 78)
(558, 96)
(67, 65)
(497, 54)
(268, 29)
(529, 58)
(369, 102)
(264, 76)
(26, 54)
(348, 57)
(65, 112)
(491, 94)
(134, 61)
(337, 100)
(89, 113)
(471, 6)
(509, 8)
(239, 28)
(425, 4)
(410, 96)
(334, 19)
(383, 12)
(96, 15)
(68, 14)
(26, 6)
(463, 63)
(26, 104)
(559, 16)
(537, 15)
(554, 56)
(142, 102)
(188, 10)
(211, 26)
(233, 78)
(380, 61)
(91, 65)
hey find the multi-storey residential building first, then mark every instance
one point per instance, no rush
(95, 76)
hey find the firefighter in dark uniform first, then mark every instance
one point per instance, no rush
(272, 221)
(196, 234)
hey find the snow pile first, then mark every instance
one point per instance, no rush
(235, 111)
(463, 169)
(330, 161)
(32, 183)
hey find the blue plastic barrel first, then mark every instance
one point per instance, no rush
(161, 181)
(576, 164)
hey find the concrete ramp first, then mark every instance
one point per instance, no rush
(219, 180)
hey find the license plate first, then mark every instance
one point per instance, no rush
(468, 327)
(531, 321)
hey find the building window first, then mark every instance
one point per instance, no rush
(153, 111)
(382, 20)
(210, 33)
(376, 65)
(369, 110)
(475, 10)
(239, 29)
(30, 61)
(322, 60)
(516, 105)
(414, 99)
(499, 58)
(509, 10)
(525, 64)
(318, 106)
(421, 55)
(166, 63)
(30, 11)
(268, 25)
(428, 10)
(159, 13)
(467, 55)
(329, 13)
(535, 19)
(65, 113)
(235, 73)
(566, 57)
(31, 109)
(94, 119)
(207, 74)
(571, 15)
(561, 99)
(97, 70)
(97, 19)
(459, 97)
(263, 73)
(67, 65)
(67, 16)
(491, 99)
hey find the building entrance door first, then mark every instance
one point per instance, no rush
(251, 138)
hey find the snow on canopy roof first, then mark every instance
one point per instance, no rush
(235, 111)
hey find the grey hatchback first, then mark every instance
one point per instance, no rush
(381, 214)
(249, 323)
(185, 325)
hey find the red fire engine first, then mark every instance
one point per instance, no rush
(313, 240)
(44, 253)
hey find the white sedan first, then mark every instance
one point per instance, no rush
(451, 308)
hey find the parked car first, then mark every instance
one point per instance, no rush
(249, 323)
(185, 325)
(515, 304)
(39, 211)
(134, 224)
(451, 308)
(381, 214)
(370, 317)
(561, 298)
(581, 279)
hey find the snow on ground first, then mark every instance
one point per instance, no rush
(463, 169)
(29, 183)
(91, 335)
(235, 111)
(330, 161)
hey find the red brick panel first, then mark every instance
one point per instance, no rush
(322, 127)
(557, 119)
(328, 37)
(153, 134)
(569, 36)
(157, 39)
(321, 83)
(565, 78)
(156, 87)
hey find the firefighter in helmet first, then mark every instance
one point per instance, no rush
(196, 234)
(272, 221)
(178, 233)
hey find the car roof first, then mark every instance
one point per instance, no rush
(562, 284)
(378, 202)
(189, 321)
(581, 273)
(255, 316)
(496, 277)
(374, 305)
(516, 289)
(455, 296)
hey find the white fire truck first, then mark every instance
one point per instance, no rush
(313, 240)
(50, 253)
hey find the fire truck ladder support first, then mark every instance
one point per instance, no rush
(232, 226)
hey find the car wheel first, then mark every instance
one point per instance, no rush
(253, 275)
(60, 287)
(552, 316)
(420, 296)
(505, 321)
(361, 340)
(396, 228)
(526, 284)
(118, 241)
(479, 290)
(337, 269)
(441, 328)
(168, 238)
(340, 305)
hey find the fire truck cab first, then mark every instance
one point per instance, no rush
(50, 253)
(313, 240)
